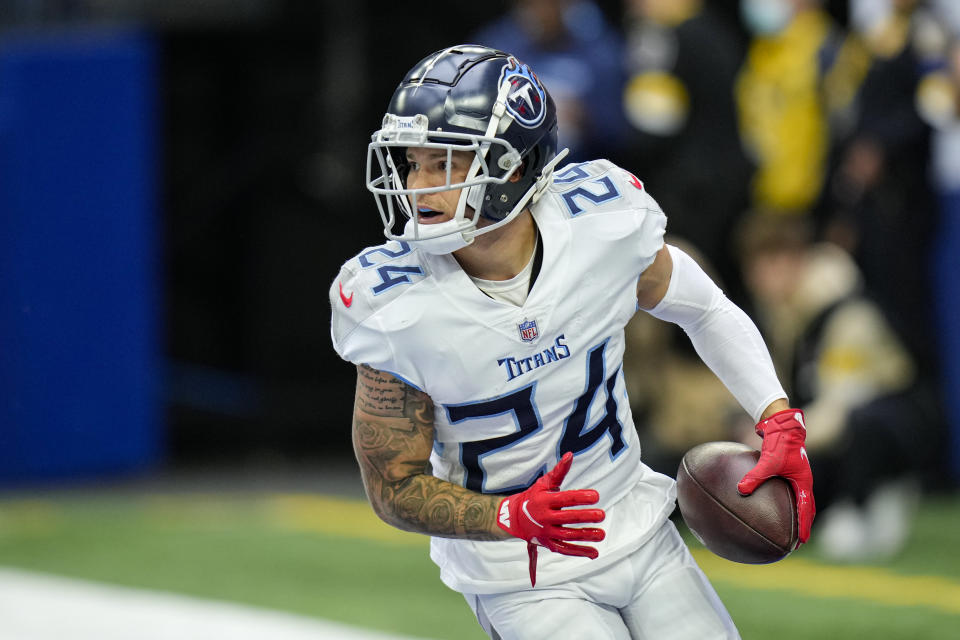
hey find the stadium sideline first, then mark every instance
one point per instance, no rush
(44, 607)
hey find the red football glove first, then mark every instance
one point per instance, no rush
(783, 454)
(539, 515)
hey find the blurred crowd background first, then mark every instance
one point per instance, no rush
(181, 179)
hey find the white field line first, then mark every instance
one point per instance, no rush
(43, 607)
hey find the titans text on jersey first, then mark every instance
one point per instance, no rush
(520, 365)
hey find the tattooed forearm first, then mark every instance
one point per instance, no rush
(425, 504)
(392, 439)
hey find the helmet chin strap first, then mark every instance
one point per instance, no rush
(438, 239)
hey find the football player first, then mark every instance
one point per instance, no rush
(490, 409)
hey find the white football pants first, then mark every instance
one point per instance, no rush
(656, 593)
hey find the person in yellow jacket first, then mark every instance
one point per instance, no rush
(782, 114)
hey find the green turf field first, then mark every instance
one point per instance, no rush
(331, 558)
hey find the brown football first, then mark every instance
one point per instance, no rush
(755, 529)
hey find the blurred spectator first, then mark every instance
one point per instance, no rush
(874, 431)
(580, 57)
(783, 117)
(682, 59)
(879, 204)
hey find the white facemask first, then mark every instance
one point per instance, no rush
(766, 17)
(865, 15)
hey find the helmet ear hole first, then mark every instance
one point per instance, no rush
(520, 173)
(535, 160)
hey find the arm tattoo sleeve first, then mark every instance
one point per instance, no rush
(392, 439)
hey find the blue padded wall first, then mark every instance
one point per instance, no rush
(79, 277)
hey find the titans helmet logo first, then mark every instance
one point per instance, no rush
(527, 99)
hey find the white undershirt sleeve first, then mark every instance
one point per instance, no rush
(725, 338)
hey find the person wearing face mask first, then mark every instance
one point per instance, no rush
(782, 114)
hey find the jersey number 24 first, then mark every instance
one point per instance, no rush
(576, 437)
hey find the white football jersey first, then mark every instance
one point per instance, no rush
(516, 387)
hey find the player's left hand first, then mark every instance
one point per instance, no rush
(541, 515)
(784, 455)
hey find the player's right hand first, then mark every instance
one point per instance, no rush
(540, 516)
(784, 454)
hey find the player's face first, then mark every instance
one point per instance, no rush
(428, 168)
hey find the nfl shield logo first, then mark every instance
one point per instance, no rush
(528, 330)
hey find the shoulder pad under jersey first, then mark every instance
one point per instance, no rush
(599, 186)
(611, 206)
(367, 283)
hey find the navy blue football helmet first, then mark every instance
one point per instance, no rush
(465, 98)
